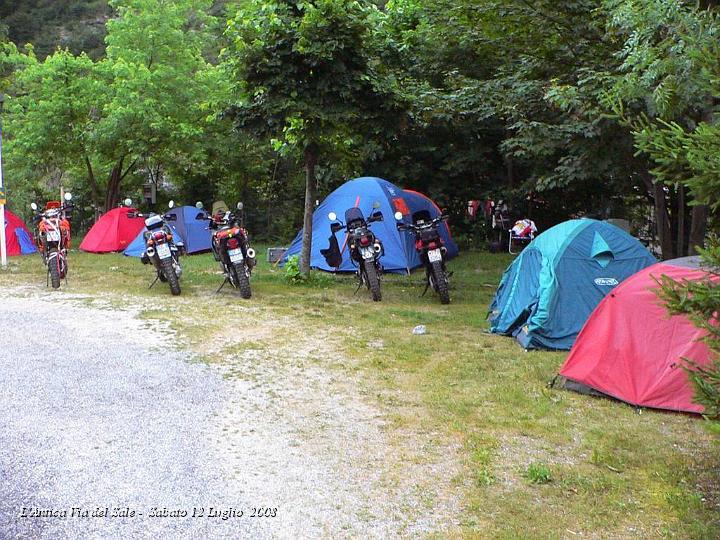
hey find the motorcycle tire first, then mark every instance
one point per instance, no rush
(171, 276)
(372, 280)
(54, 269)
(440, 282)
(241, 279)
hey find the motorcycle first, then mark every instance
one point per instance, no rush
(52, 237)
(162, 249)
(365, 248)
(231, 248)
(431, 250)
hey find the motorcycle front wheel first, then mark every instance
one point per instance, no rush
(372, 280)
(242, 280)
(170, 275)
(54, 268)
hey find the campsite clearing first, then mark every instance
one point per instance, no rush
(472, 405)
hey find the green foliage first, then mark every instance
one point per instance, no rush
(699, 300)
(292, 271)
(538, 473)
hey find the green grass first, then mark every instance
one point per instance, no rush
(614, 473)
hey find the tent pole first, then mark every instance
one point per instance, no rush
(3, 243)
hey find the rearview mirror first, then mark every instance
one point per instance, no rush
(332, 216)
(33, 206)
(240, 206)
(199, 205)
(398, 216)
(376, 216)
(68, 196)
(171, 204)
(127, 202)
(335, 227)
(200, 215)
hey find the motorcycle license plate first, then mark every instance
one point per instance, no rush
(163, 251)
(235, 255)
(434, 255)
(53, 236)
(367, 253)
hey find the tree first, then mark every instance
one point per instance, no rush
(308, 78)
(147, 101)
(661, 91)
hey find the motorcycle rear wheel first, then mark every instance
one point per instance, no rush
(440, 282)
(372, 280)
(170, 275)
(241, 279)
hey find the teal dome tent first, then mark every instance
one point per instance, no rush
(548, 292)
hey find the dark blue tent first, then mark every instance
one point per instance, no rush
(400, 255)
(194, 233)
(548, 292)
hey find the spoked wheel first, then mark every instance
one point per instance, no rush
(54, 268)
(242, 281)
(440, 282)
(171, 276)
(372, 280)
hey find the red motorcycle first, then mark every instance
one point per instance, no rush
(231, 248)
(431, 250)
(52, 237)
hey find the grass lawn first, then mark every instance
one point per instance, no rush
(537, 462)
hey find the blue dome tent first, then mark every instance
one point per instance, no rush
(548, 292)
(400, 255)
(194, 233)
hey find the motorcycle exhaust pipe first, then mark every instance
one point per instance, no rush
(378, 248)
(150, 251)
(443, 250)
(251, 257)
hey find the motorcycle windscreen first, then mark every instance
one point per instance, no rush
(332, 255)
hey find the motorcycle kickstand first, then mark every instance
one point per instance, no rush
(358, 288)
(154, 282)
(427, 286)
(226, 280)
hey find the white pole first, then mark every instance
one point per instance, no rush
(3, 245)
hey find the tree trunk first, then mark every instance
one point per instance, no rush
(697, 228)
(94, 192)
(662, 218)
(113, 185)
(310, 156)
(680, 246)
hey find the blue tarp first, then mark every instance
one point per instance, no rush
(194, 233)
(548, 292)
(400, 254)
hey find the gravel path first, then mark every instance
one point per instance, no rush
(99, 413)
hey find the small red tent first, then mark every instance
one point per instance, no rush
(18, 240)
(113, 231)
(632, 350)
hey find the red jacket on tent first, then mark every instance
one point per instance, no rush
(15, 232)
(632, 350)
(113, 231)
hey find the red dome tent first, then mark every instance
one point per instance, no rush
(18, 239)
(632, 350)
(112, 232)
